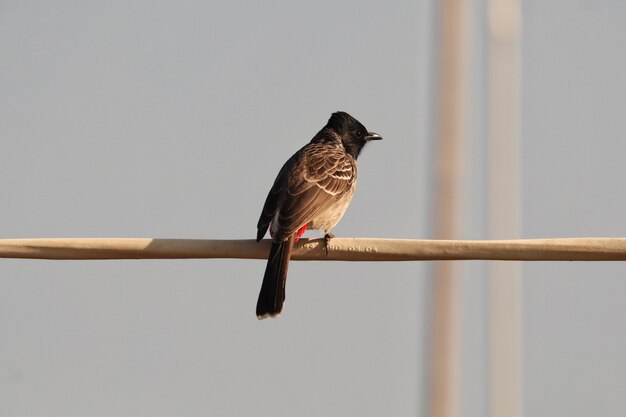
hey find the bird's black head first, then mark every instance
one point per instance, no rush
(353, 134)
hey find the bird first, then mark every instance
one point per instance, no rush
(312, 190)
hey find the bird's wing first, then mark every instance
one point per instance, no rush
(271, 202)
(322, 174)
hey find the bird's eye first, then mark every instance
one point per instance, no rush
(359, 133)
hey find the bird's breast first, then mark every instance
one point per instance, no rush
(327, 219)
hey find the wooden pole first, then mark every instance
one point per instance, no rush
(445, 351)
(504, 212)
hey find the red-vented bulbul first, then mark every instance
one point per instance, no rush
(312, 190)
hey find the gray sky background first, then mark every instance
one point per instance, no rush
(161, 119)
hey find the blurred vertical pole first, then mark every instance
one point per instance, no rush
(444, 377)
(504, 18)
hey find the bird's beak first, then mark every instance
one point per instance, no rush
(373, 136)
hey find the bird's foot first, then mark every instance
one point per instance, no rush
(327, 238)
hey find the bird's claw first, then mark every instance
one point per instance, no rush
(327, 238)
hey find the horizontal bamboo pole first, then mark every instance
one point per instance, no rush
(340, 249)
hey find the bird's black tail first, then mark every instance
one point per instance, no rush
(272, 293)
